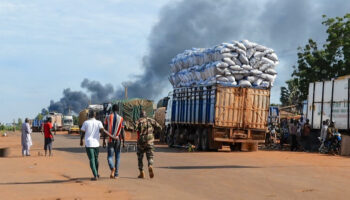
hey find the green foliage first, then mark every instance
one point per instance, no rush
(75, 120)
(315, 64)
(39, 116)
(19, 124)
(44, 112)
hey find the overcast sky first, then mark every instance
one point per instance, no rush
(47, 46)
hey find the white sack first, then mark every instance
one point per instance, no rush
(228, 61)
(245, 83)
(271, 71)
(236, 68)
(240, 45)
(272, 57)
(243, 59)
(247, 67)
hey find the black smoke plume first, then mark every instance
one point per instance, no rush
(71, 101)
(77, 100)
(281, 25)
(99, 93)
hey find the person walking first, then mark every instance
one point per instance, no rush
(55, 126)
(293, 132)
(26, 139)
(115, 127)
(306, 135)
(323, 134)
(284, 132)
(90, 131)
(145, 138)
(48, 136)
(331, 130)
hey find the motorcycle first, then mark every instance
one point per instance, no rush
(333, 145)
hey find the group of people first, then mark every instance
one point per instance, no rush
(26, 139)
(91, 130)
(299, 134)
(114, 129)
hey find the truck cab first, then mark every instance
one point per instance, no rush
(67, 122)
(168, 110)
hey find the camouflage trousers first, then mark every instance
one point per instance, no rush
(143, 148)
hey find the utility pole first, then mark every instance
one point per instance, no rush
(125, 84)
(126, 92)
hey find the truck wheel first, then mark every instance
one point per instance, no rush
(177, 136)
(170, 137)
(205, 142)
(197, 139)
(184, 136)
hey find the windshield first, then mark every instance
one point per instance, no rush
(68, 121)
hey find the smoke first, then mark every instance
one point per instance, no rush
(99, 93)
(78, 100)
(71, 100)
(281, 25)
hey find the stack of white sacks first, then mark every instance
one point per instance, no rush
(244, 64)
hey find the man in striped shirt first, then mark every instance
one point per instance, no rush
(115, 126)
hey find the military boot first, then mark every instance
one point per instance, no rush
(150, 170)
(142, 174)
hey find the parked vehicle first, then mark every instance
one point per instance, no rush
(329, 100)
(55, 118)
(67, 122)
(37, 125)
(217, 117)
(74, 129)
(333, 145)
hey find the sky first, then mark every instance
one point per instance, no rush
(48, 46)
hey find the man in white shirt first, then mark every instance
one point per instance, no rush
(91, 130)
(323, 134)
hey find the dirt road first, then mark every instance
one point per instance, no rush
(179, 174)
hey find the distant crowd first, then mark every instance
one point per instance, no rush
(297, 133)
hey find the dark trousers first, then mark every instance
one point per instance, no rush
(92, 153)
(294, 145)
(48, 144)
(306, 142)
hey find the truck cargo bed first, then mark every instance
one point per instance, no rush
(220, 106)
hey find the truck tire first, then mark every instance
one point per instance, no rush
(198, 139)
(177, 137)
(170, 137)
(205, 140)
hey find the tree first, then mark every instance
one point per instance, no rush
(44, 111)
(75, 120)
(315, 64)
(39, 116)
(19, 123)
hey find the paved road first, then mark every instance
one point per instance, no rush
(213, 175)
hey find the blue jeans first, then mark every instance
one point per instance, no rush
(114, 149)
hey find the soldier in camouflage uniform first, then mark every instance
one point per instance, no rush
(145, 127)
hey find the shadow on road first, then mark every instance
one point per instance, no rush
(210, 167)
(71, 180)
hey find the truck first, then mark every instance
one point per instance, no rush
(217, 117)
(67, 122)
(98, 108)
(56, 118)
(37, 125)
(329, 100)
